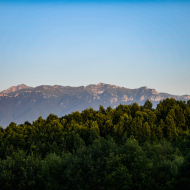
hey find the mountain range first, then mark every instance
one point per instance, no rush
(24, 103)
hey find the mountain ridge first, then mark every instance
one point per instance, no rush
(21, 103)
(15, 88)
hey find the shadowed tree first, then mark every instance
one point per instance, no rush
(147, 105)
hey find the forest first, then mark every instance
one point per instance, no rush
(124, 148)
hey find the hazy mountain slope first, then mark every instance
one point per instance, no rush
(21, 103)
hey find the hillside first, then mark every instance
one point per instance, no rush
(21, 103)
(126, 148)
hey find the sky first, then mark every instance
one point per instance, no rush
(74, 43)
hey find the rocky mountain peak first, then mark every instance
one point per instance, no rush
(15, 88)
(96, 89)
(144, 88)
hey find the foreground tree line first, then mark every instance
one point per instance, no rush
(129, 147)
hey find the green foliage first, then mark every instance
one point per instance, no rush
(147, 105)
(129, 147)
(20, 172)
(182, 180)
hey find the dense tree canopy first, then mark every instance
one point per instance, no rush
(129, 147)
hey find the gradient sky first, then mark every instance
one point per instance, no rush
(126, 43)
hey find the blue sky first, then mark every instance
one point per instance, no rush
(126, 43)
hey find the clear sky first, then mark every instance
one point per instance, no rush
(126, 43)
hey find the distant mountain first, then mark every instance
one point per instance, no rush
(15, 88)
(23, 103)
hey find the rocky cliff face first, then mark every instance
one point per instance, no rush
(21, 103)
